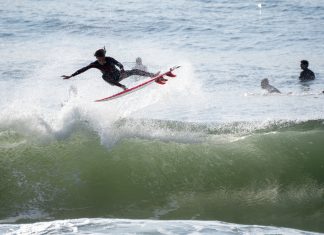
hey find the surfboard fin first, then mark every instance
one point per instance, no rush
(170, 74)
(161, 80)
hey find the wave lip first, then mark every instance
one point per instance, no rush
(123, 226)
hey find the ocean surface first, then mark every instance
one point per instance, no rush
(210, 152)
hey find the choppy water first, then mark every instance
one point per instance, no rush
(209, 145)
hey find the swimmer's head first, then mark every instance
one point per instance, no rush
(138, 60)
(304, 64)
(264, 83)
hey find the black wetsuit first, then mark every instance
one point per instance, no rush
(306, 75)
(110, 73)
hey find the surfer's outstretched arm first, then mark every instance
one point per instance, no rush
(78, 71)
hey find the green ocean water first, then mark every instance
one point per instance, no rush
(273, 176)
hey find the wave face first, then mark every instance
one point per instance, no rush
(272, 175)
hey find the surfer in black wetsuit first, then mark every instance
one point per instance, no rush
(107, 65)
(306, 74)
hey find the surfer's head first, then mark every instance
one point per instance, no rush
(100, 53)
(264, 83)
(304, 64)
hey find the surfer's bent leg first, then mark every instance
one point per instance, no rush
(112, 81)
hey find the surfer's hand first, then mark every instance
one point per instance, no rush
(66, 77)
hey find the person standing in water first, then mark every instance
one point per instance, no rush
(108, 67)
(306, 74)
(139, 64)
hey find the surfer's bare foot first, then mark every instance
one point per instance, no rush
(124, 87)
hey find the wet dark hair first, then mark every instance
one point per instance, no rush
(304, 62)
(100, 53)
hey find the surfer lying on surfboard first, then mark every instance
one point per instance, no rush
(107, 65)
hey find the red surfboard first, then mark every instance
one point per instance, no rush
(158, 79)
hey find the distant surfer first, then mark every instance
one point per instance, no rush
(306, 74)
(266, 85)
(107, 65)
(139, 64)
